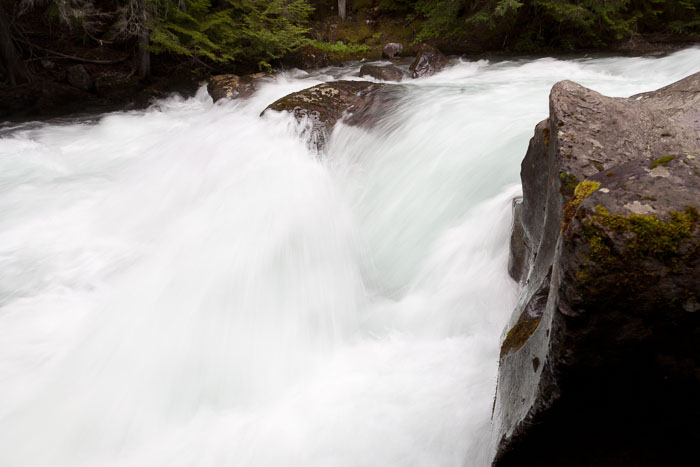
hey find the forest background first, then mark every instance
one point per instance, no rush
(130, 43)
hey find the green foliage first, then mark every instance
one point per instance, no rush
(339, 47)
(357, 5)
(533, 24)
(403, 6)
(251, 30)
(688, 14)
(594, 20)
(440, 18)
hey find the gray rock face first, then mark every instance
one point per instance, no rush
(599, 364)
(384, 73)
(77, 76)
(322, 106)
(234, 86)
(392, 49)
(429, 61)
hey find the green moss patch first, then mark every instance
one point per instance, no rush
(636, 249)
(569, 182)
(582, 191)
(649, 236)
(519, 334)
(662, 160)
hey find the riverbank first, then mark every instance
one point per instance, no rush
(96, 76)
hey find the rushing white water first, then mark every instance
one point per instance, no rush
(190, 286)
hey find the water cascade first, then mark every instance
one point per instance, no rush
(190, 285)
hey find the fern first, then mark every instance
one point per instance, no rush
(251, 30)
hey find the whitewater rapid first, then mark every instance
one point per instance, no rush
(190, 285)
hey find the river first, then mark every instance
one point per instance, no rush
(190, 285)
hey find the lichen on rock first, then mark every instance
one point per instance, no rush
(323, 105)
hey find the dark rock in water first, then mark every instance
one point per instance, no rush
(234, 86)
(77, 76)
(384, 73)
(392, 49)
(309, 57)
(600, 362)
(356, 102)
(429, 61)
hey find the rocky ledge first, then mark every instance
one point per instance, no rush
(599, 365)
(322, 106)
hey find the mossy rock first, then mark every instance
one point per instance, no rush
(356, 102)
(609, 225)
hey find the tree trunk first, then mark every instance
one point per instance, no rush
(342, 10)
(10, 59)
(144, 39)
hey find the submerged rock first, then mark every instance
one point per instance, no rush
(429, 61)
(322, 106)
(392, 49)
(234, 86)
(384, 73)
(599, 365)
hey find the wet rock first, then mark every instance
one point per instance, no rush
(309, 57)
(384, 73)
(78, 77)
(429, 61)
(234, 86)
(607, 246)
(322, 106)
(392, 49)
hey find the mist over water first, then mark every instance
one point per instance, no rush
(190, 285)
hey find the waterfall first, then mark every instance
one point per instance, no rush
(189, 285)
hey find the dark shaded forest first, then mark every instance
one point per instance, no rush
(108, 47)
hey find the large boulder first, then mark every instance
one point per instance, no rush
(322, 106)
(392, 49)
(429, 61)
(308, 57)
(384, 73)
(234, 86)
(78, 77)
(599, 365)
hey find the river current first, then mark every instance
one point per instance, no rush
(190, 285)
